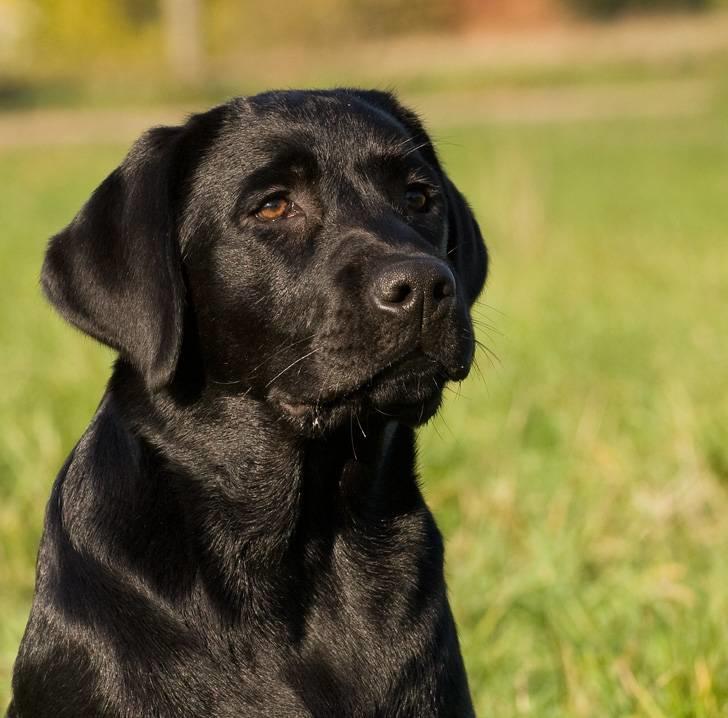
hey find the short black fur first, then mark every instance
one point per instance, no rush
(240, 531)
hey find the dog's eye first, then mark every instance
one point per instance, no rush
(416, 199)
(275, 208)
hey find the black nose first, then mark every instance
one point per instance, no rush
(413, 288)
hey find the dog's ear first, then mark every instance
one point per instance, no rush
(465, 248)
(115, 271)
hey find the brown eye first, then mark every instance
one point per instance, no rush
(416, 199)
(273, 209)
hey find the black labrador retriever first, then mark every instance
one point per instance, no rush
(287, 279)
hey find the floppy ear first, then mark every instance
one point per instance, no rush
(465, 247)
(115, 271)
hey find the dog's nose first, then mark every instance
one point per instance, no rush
(413, 288)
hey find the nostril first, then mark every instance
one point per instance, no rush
(442, 288)
(413, 288)
(397, 293)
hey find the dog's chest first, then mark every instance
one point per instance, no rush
(347, 641)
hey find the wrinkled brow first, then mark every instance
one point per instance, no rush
(399, 163)
(285, 165)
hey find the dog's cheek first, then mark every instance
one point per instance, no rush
(229, 311)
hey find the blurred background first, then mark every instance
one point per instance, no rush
(581, 475)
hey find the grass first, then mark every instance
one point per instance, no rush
(581, 478)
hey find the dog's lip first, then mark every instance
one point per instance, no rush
(298, 411)
(410, 363)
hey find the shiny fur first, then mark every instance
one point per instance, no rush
(240, 532)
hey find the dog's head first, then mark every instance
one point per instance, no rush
(309, 243)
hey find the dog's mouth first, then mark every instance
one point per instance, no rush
(408, 390)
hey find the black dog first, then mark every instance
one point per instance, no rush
(287, 279)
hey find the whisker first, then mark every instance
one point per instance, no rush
(292, 364)
(444, 139)
(489, 353)
(436, 429)
(481, 324)
(414, 149)
(322, 388)
(484, 305)
(363, 433)
(279, 350)
(441, 419)
(351, 435)
(401, 145)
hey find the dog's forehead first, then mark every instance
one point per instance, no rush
(328, 110)
(326, 125)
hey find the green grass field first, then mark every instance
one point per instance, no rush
(581, 477)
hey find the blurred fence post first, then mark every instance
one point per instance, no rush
(182, 25)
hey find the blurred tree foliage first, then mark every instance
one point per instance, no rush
(58, 35)
(64, 34)
(321, 21)
(107, 37)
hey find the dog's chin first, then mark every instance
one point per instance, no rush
(316, 420)
(412, 400)
(406, 393)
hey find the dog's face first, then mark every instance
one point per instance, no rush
(310, 240)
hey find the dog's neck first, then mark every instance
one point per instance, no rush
(247, 484)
